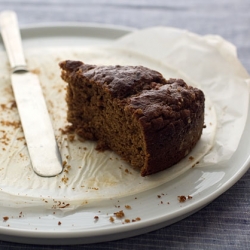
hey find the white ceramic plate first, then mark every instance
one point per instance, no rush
(149, 210)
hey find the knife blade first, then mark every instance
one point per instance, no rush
(38, 131)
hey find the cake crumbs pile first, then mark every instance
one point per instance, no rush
(183, 198)
(119, 214)
(5, 218)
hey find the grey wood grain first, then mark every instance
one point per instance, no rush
(228, 18)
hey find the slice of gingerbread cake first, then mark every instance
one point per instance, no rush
(149, 121)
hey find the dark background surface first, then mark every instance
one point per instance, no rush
(225, 223)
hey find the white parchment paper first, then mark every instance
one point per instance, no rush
(212, 64)
(91, 176)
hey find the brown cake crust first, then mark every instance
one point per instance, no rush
(159, 120)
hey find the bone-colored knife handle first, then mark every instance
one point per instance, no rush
(12, 40)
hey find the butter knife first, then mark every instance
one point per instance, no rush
(38, 131)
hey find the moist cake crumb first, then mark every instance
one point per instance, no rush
(119, 214)
(150, 122)
(5, 218)
(182, 198)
